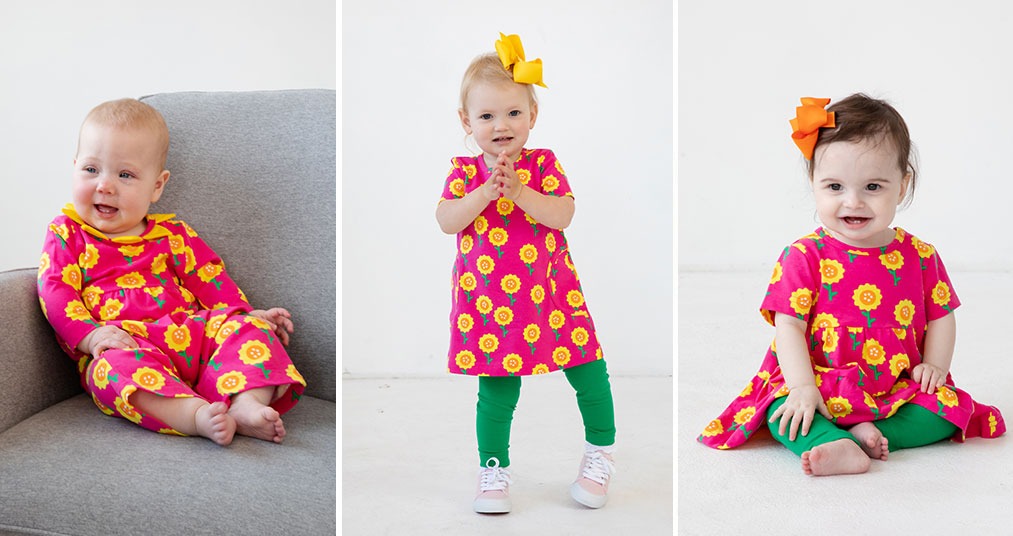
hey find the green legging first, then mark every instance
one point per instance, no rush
(498, 395)
(911, 426)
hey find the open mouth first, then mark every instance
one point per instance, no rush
(503, 139)
(106, 210)
(854, 221)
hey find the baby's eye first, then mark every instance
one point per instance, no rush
(836, 187)
(125, 175)
(91, 169)
(515, 113)
(485, 117)
(873, 187)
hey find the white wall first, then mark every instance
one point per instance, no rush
(608, 116)
(60, 58)
(945, 66)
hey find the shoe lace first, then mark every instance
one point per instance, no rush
(598, 467)
(494, 477)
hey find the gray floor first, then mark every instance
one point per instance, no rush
(760, 488)
(409, 459)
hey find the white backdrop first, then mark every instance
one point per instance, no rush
(607, 115)
(945, 66)
(60, 58)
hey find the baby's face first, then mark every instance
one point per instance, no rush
(500, 116)
(117, 175)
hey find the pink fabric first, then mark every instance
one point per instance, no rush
(867, 310)
(517, 305)
(170, 291)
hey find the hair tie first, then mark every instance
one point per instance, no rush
(809, 118)
(510, 53)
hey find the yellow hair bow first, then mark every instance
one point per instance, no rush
(809, 118)
(510, 53)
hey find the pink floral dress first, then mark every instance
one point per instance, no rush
(867, 311)
(169, 290)
(517, 306)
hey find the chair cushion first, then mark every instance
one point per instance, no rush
(72, 470)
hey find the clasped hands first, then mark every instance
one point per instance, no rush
(503, 181)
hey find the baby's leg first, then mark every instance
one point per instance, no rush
(189, 415)
(825, 450)
(594, 399)
(254, 417)
(497, 399)
(914, 426)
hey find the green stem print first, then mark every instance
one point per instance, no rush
(940, 412)
(138, 353)
(532, 345)
(213, 364)
(830, 292)
(264, 369)
(868, 315)
(189, 359)
(295, 396)
(465, 259)
(464, 338)
(485, 319)
(511, 299)
(467, 295)
(854, 340)
(115, 378)
(530, 269)
(500, 251)
(506, 222)
(896, 278)
(538, 309)
(851, 256)
(921, 261)
(861, 376)
(876, 372)
(535, 227)
(217, 283)
(556, 331)
(488, 360)
(504, 330)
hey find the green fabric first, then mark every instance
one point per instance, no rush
(498, 396)
(820, 431)
(912, 426)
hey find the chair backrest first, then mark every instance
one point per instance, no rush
(254, 174)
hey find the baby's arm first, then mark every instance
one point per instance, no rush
(456, 214)
(549, 210)
(804, 398)
(204, 276)
(940, 336)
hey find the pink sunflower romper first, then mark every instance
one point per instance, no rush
(867, 310)
(169, 290)
(517, 306)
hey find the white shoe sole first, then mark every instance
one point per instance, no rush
(589, 500)
(491, 506)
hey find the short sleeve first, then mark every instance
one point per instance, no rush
(551, 179)
(794, 285)
(458, 179)
(940, 298)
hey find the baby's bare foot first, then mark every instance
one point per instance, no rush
(257, 420)
(214, 422)
(839, 457)
(872, 441)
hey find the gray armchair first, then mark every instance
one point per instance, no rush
(254, 174)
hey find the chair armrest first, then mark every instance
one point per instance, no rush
(34, 371)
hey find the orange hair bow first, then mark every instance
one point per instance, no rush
(806, 126)
(510, 53)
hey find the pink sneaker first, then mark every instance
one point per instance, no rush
(596, 470)
(493, 496)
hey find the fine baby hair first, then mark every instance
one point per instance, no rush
(131, 113)
(858, 117)
(488, 69)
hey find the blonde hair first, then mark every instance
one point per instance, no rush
(131, 113)
(489, 69)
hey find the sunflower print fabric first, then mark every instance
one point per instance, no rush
(517, 304)
(867, 310)
(170, 291)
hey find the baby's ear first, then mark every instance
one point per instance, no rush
(465, 120)
(163, 178)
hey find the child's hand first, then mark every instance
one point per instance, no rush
(279, 319)
(800, 408)
(508, 183)
(930, 376)
(106, 338)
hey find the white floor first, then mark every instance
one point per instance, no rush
(410, 459)
(760, 488)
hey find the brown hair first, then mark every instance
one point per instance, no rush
(488, 68)
(859, 117)
(131, 113)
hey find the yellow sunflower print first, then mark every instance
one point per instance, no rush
(72, 276)
(148, 378)
(231, 382)
(254, 353)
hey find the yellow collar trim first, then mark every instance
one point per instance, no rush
(157, 232)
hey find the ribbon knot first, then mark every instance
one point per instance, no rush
(511, 53)
(809, 118)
